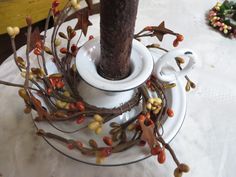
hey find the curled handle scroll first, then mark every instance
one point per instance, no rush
(158, 68)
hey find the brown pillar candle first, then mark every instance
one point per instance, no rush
(117, 29)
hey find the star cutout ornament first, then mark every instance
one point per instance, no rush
(161, 30)
(35, 38)
(147, 131)
(83, 21)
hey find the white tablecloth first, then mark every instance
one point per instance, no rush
(207, 138)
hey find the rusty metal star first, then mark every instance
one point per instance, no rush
(83, 21)
(35, 38)
(161, 30)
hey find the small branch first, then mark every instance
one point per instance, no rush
(16, 85)
(168, 147)
(26, 84)
(13, 44)
(157, 47)
(44, 37)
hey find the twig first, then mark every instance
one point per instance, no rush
(16, 85)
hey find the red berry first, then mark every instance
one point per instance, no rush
(60, 84)
(148, 122)
(107, 140)
(138, 127)
(63, 50)
(37, 51)
(80, 120)
(91, 37)
(55, 3)
(105, 152)
(170, 112)
(142, 143)
(161, 156)
(79, 144)
(49, 91)
(80, 106)
(148, 83)
(73, 48)
(180, 37)
(53, 81)
(70, 146)
(156, 150)
(72, 34)
(141, 118)
(72, 106)
(175, 43)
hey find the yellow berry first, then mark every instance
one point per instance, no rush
(157, 110)
(22, 92)
(74, 68)
(10, 31)
(77, 6)
(16, 30)
(154, 108)
(73, 2)
(67, 106)
(61, 104)
(66, 93)
(98, 118)
(149, 106)
(157, 101)
(131, 127)
(57, 42)
(151, 100)
(98, 130)
(99, 160)
(93, 125)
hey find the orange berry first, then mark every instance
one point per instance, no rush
(175, 43)
(37, 51)
(170, 112)
(141, 118)
(180, 37)
(107, 140)
(72, 106)
(79, 144)
(49, 91)
(70, 146)
(105, 152)
(161, 156)
(60, 84)
(63, 50)
(156, 150)
(80, 120)
(80, 106)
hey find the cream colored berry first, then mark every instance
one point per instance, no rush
(93, 125)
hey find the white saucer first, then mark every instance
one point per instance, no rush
(176, 99)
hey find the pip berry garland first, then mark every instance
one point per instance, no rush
(223, 18)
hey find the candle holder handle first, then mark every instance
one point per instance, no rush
(170, 77)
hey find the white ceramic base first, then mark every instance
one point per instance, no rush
(88, 57)
(102, 98)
